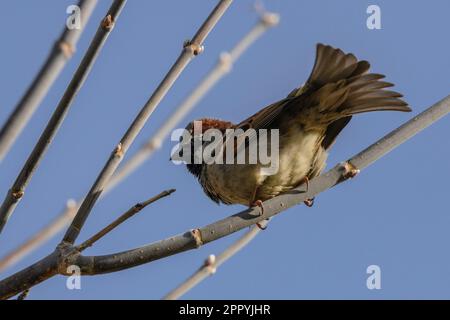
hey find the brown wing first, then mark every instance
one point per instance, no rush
(263, 118)
(333, 131)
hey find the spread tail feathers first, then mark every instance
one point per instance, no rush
(340, 86)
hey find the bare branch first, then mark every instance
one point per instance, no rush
(17, 190)
(128, 214)
(211, 264)
(61, 53)
(66, 254)
(191, 49)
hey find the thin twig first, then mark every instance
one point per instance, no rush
(211, 264)
(127, 215)
(191, 49)
(65, 255)
(61, 53)
(17, 190)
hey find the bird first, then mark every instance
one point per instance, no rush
(308, 120)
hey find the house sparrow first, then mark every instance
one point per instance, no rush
(309, 119)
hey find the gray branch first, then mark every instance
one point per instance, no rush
(65, 255)
(16, 192)
(62, 51)
(191, 49)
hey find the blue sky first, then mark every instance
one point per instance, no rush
(394, 214)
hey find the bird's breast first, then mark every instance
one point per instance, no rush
(299, 151)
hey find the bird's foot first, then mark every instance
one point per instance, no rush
(350, 171)
(260, 226)
(258, 203)
(306, 182)
(309, 202)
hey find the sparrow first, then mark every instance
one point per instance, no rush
(309, 119)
